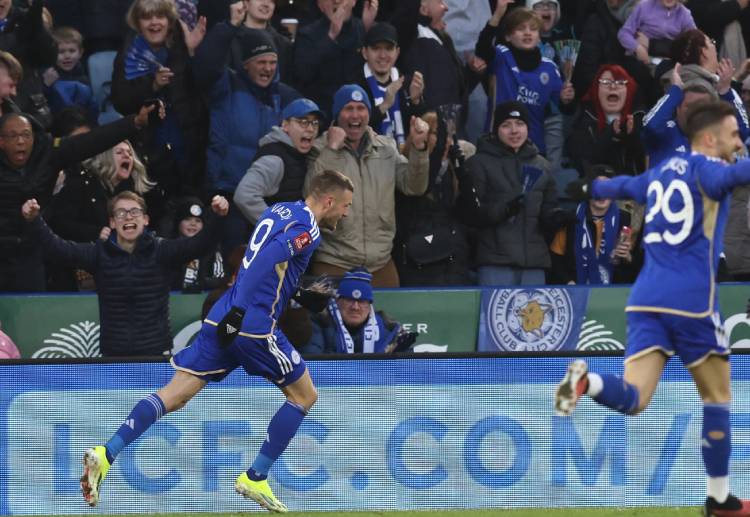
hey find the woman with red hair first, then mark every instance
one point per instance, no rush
(606, 130)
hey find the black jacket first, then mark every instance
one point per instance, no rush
(432, 245)
(447, 81)
(173, 171)
(133, 288)
(101, 22)
(588, 146)
(517, 241)
(599, 45)
(37, 178)
(321, 65)
(295, 170)
(79, 211)
(25, 37)
(713, 16)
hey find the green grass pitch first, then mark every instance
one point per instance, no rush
(534, 512)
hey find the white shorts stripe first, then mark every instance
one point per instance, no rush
(284, 363)
(655, 110)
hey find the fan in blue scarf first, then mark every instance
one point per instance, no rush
(375, 336)
(393, 124)
(593, 262)
(142, 60)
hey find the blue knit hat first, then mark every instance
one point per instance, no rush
(356, 285)
(349, 93)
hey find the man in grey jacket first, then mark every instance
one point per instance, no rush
(278, 170)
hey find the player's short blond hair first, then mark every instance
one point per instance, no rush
(327, 182)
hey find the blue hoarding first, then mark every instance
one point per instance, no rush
(385, 434)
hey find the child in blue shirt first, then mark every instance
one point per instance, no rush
(521, 73)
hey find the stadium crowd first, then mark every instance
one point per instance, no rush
(459, 122)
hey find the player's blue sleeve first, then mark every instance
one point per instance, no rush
(733, 98)
(622, 187)
(718, 180)
(655, 121)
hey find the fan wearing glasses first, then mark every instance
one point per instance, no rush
(29, 164)
(278, 170)
(132, 270)
(607, 128)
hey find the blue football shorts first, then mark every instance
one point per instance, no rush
(273, 357)
(692, 339)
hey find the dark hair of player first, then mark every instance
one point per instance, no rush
(704, 114)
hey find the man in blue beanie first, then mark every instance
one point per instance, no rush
(351, 325)
(377, 168)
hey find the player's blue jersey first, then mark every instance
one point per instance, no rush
(663, 138)
(277, 255)
(687, 200)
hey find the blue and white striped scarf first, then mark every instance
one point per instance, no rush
(393, 124)
(344, 341)
(593, 268)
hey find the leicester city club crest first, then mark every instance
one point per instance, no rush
(530, 319)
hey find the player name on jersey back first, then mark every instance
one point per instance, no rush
(686, 212)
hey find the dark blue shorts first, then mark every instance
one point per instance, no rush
(273, 357)
(692, 339)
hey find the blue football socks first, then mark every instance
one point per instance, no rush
(617, 394)
(281, 430)
(716, 439)
(141, 417)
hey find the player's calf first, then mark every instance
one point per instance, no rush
(608, 390)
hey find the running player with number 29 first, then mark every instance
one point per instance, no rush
(673, 306)
(241, 330)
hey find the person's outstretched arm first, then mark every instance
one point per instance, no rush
(73, 254)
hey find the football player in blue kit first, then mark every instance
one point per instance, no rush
(673, 306)
(241, 330)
